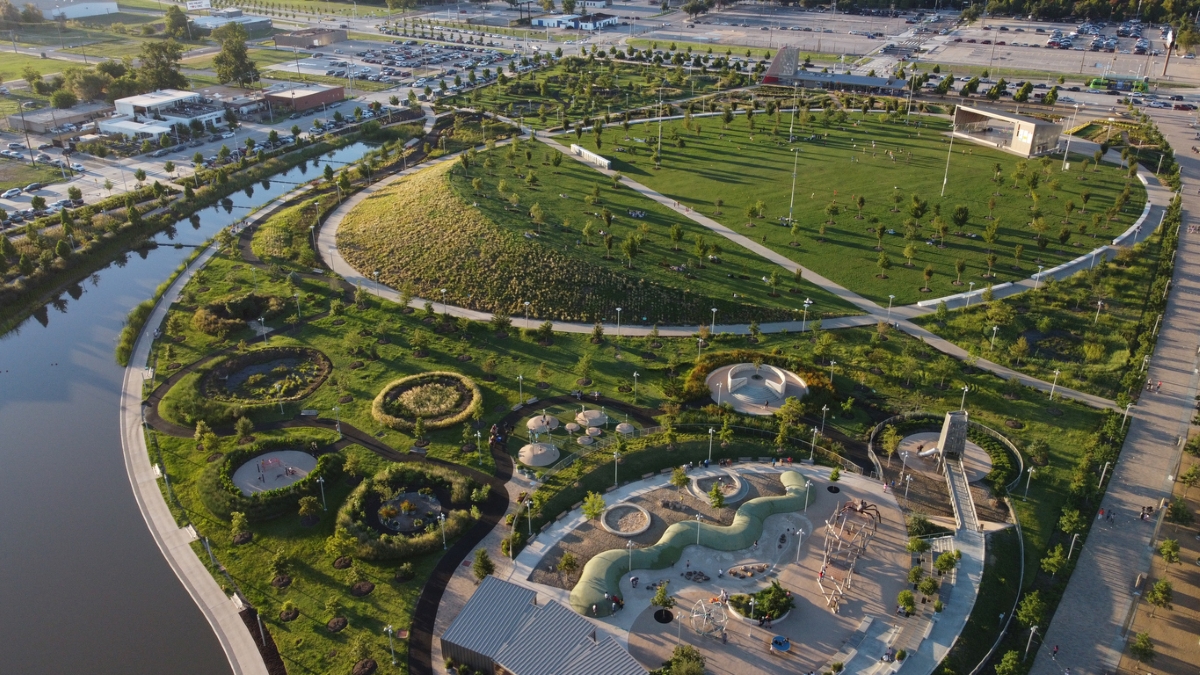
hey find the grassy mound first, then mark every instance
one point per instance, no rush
(424, 232)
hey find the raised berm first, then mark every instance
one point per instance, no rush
(754, 389)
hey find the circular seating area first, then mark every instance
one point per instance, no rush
(754, 390)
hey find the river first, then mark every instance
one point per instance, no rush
(83, 586)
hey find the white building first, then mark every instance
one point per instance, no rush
(595, 21)
(76, 10)
(555, 21)
(153, 114)
(595, 4)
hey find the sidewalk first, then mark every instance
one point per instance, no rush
(1089, 626)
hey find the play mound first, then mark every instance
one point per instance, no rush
(419, 231)
(538, 454)
(267, 375)
(440, 399)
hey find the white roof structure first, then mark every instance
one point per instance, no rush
(131, 128)
(538, 454)
(158, 99)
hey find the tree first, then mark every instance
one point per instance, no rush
(679, 478)
(928, 587)
(176, 23)
(945, 562)
(716, 498)
(1054, 560)
(1142, 648)
(160, 66)
(1031, 610)
(1071, 521)
(593, 505)
(891, 441)
(916, 545)
(1169, 550)
(244, 427)
(483, 565)
(567, 564)
(906, 600)
(884, 263)
(725, 434)
(662, 598)
(928, 274)
(63, 99)
(238, 523)
(1010, 664)
(1160, 595)
(309, 506)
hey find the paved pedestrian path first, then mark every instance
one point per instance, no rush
(1089, 626)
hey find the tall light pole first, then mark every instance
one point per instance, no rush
(824, 409)
(699, 346)
(800, 538)
(1053, 384)
(1037, 278)
(963, 404)
(1099, 305)
(658, 154)
(1067, 152)
(389, 630)
(804, 323)
(338, 423)
(618, 323)
(710, 439)
(527, 314)
(444, 309)
(629, 547)
(719, 394)
(321, 482)
(713, 327)
(832, 364)
(889, 312)
(1125, 416)
(616, 456)
(795, 107)
(995, 329)
(1029, 643)
(278, 394)
(907, 484)
(442, 525)
(1028, 480)
(529, 514)
(792, 201)
(520, 389)
(970, 290)
(946, 177)
(263, 323)
(635, 377)
(812, 446)
(699, 517)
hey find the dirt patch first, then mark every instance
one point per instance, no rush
(287, 615)
(362, 588)
(365, 667)
(464, 357)
(336, 624)
(281, 581)
(1014, 424)
(214, 457)
(583, 381)
(342, 563)
(243, 538)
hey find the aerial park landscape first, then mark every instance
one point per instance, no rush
(643, 359)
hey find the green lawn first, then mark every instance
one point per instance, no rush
(13, 65)
(144, 5)
(15, 173)
(613, 88)
(305, 644)
(261, 57)
(838, 163)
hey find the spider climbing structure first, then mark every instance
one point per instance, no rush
(848, 532)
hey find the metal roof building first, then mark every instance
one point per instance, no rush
(502, 630)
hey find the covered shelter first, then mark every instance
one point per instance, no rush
(538, 454)
(1017, 134)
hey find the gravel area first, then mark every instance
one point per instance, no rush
(590, 539)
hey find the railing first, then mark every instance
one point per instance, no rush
(970, 500)
(1020, 585)
(971, 423)
(846, 465)
(958, 518)
(599, 444)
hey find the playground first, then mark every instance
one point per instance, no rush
(272, 470)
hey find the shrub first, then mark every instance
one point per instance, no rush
(392, 411)
(773, 600)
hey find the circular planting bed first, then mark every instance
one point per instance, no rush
(410, 511)
(732, 487)
(267, 375)
(625, 520)
(440, 399)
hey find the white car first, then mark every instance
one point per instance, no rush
(77, 167)
(227, 134)
(9, 194)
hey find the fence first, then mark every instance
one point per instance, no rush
(599, 444)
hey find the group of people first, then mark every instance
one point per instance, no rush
(498, 434)
(637, 214)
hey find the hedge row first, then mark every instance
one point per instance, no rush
(381, 415)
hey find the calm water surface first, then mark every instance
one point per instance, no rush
(83, 586)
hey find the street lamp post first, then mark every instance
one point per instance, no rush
(792, 202)
(831, 366)
(713, 327)
(278, 394)
(1099, 305)
(1054, 384)
(618, 323)
(1067, 152)
(710, 439)
(338, 421)
(263, 323)
(442, 525)
(799, 541)
(1037, 278)
(824, 409)
(520, 389)
(970, 290)
(719, 394)
(807, 487)
(389, 630)
(699, 346)
(699, 517)
(478, 447)
(907, 484)
(1102, 473)
(995, 329)
(1028, 480)
(629, 547)
(963, 404)
(616, 457)
(1029, 643)
(804, 322)
(444, 310)
(635, 377)
(321, 482)
(529, 514)
(526, 314)
(1125, 416)
(812, 446)
(889, 312)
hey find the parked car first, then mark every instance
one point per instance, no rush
(9, 194)
(77, 167)
(33, 187)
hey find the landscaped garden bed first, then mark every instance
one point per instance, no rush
(437, 399)
(267, 375)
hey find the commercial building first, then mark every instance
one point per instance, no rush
(576, 21)
(595, 21)
(502, 630)
(787, 70)
(44, 120)
(221, 17)
(311, 37)
(153, 114)
(1017, 134)
(595, 4)
(76, 10)
(304, 98)
(555, 21)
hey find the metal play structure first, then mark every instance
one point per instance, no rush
(708, 617)
(848, 532)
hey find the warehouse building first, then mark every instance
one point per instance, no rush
(307, 97)
(788, 70)
(1017, 134)
(311, 37)
(47, 119)
(503, 631)
(221, 17)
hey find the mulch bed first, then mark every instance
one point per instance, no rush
(583, 382)
(464, 357)
(281, 581)
(355, 365)
(269, 653)
(342, 563)
(339, 322)
(420, 353)
(469, 447)
(421, 442)
(286, 616)
(345, 399)
(362, 588)
(217, 455)
(545, 343)
(243, 538)
(336, 624)
(382, 341)
(624, 389)
(402, 577)
(543, 385)
(1014, 424)
(174, 365)
(489, 377)
(309, 521)
(656, 345)
(1054, 411)
(365, 667)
